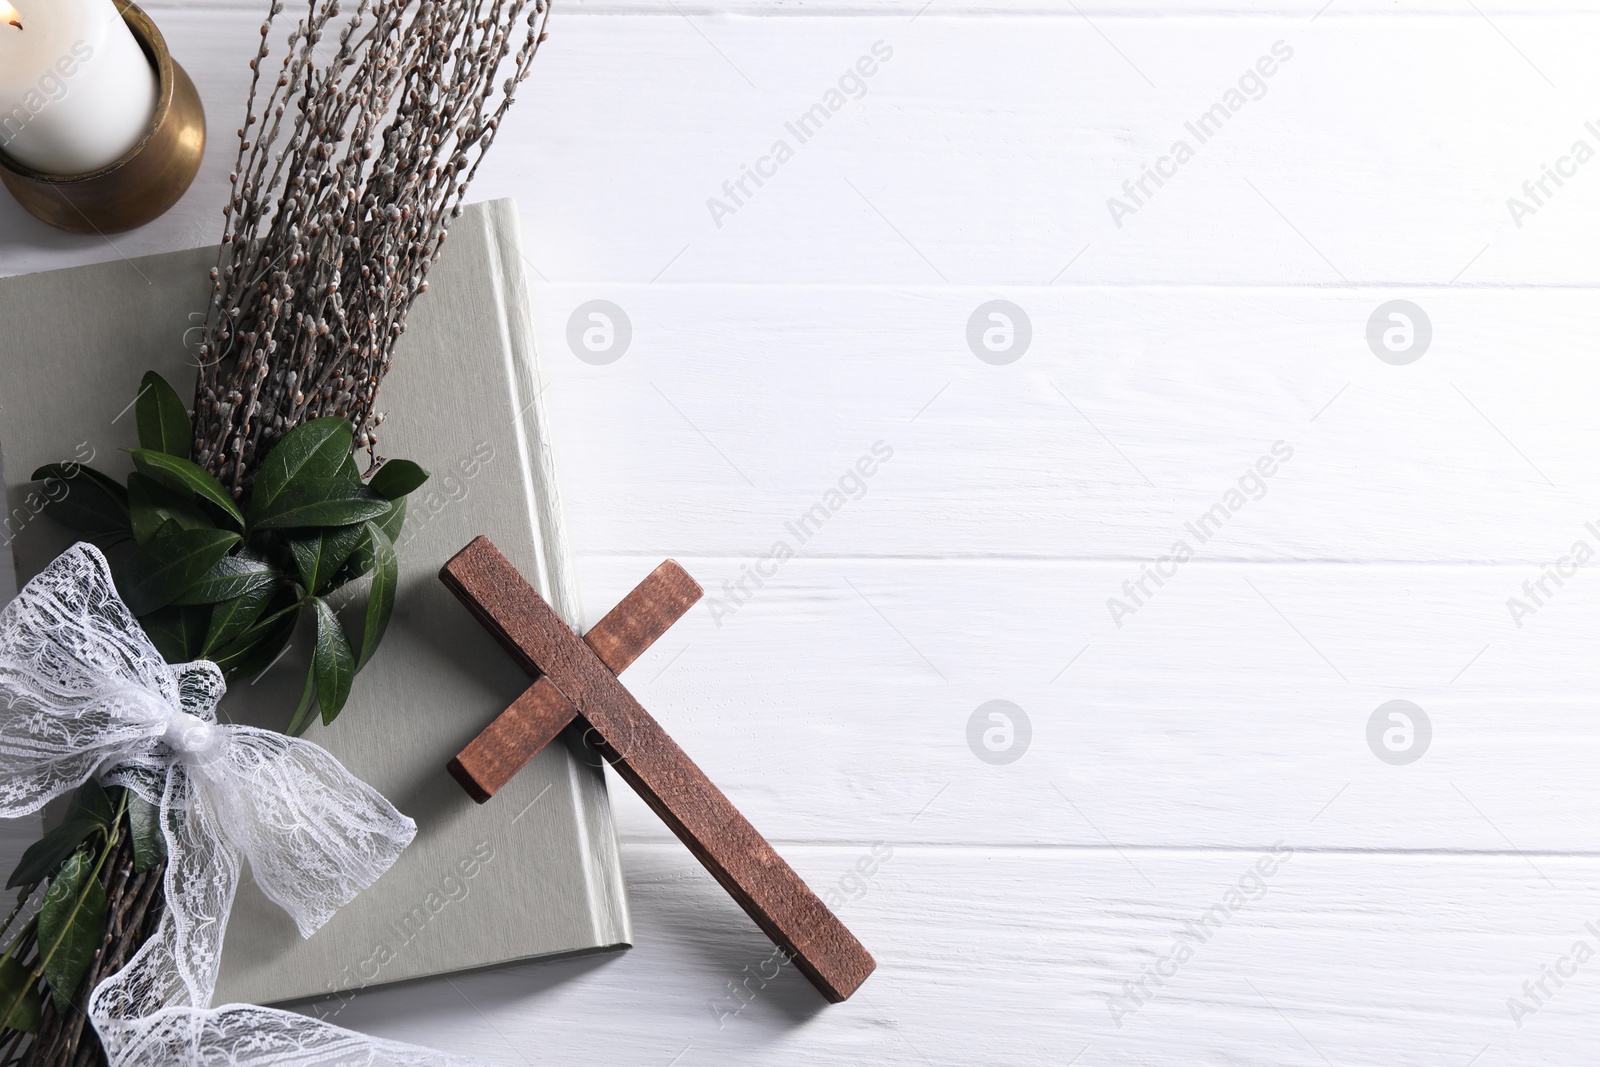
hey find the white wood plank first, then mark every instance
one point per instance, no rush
(997, 955)
(836, 701)
(1134, 412)
(985, 150)
(1000, 956)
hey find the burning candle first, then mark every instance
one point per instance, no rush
(76, 90)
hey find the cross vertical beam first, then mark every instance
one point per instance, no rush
(663, 775)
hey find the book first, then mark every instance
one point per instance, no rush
(535, 872)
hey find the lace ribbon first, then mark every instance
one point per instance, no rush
(83, 692)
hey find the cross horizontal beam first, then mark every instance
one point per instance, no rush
(536, 717)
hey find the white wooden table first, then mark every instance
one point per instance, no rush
(1024, 905)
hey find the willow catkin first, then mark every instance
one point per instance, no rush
(353, 160)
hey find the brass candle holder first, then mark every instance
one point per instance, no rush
(151, 177)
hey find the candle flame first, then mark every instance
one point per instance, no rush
(9, 16)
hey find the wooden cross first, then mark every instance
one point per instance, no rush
(539, 715)
(579, 679)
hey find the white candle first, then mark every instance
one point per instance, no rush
(76, 90)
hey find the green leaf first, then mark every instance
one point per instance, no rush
(177, 473)
(72, 920)
(326, 504)
(16, 988)
(162, 418)
(397, 478)
(144, 826)
(150, 504)
(392, 520)
(89, 502)
(319, 556)
(349, 471)
(230, 577)
(233, 617)
(46, 855)
(380, 598)
(91, 811)
(177, 632)
(310, 454)
(94, 802)
(308, 700)
(259, 646)
(161, 569)
(69, 471)
(361, 560)
(333, 663)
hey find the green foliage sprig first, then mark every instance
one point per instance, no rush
(209, 577)
(212, 577)
(64, 873)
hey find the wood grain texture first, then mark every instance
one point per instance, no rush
(735, 853)
(1206, 721)
(536, 717)
(1415, 972)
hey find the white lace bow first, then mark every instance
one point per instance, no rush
(84, 693)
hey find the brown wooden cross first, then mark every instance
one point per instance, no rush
(579, 680)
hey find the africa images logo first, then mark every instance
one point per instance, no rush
(1251, 85)
(850, 86)
(1251, 485)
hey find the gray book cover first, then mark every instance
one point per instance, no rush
(534, 872)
